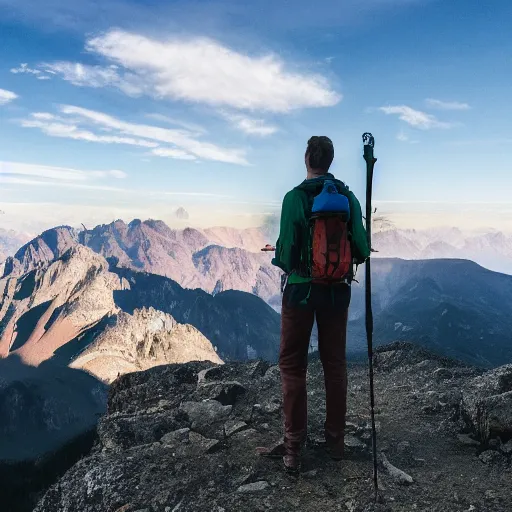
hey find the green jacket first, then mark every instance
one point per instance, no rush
(295, 215)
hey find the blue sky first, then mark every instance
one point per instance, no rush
(133, 108)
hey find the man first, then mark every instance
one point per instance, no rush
(305, 298)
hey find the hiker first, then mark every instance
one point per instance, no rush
(325, 296)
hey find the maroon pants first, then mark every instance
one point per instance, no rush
(296, 326)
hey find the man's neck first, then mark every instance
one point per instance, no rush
(313, 173)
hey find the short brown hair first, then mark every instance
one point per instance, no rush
(321, 152)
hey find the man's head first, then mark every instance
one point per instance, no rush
(319, 154)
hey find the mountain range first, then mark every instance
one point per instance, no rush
(124, 320)
(454, 307)
(490, 248)
(213, 260)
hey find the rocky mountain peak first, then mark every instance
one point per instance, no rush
(138, 341)
(51, 244)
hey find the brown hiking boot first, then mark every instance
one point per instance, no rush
(335, 446)
(292, 464)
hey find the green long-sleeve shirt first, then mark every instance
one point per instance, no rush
(295, 215)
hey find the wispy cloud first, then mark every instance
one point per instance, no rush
(173, 153)
(177, 122)
(7, 96)
(446, 105)
(25, 69)
(62, 174)
(71, 131)
(184, 144)
(37, 175)
(249, 125)
(12, 180)
(84, 75)
(415, 118)
(179, 138)
(198, 70)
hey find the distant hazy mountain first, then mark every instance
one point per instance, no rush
(181, 213)
(491, 249)
(10, 242)
(455, 307)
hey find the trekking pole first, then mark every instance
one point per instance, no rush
(369, 142)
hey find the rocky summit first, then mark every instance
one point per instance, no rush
(183, 437)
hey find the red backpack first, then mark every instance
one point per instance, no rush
(329, 251)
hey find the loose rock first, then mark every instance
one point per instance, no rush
(201, 413)
(397, 474)
(233, 426)
(466, 440)
(176, 437)
(254, 487)
(490, 457)
(442, 374)
(506, 448)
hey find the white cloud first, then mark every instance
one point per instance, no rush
(40, 183)
(114, 173)
(198, 70)
(446, 105)
(185, 144)
(180, 138)
(43, 116)
(250, 125)
(177, 122)
(30, 71)
(25, 69)
(173, 153)
(70, 131)
(7, 96)
(56, 174)
(415, 118)
(84, 75)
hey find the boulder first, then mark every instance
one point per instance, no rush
(487, 403)
(201, 413)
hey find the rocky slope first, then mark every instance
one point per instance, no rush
(239, 325)
(58, 309)
(140, 341)
(183, 438)
(40, 251)
(52, 304)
